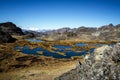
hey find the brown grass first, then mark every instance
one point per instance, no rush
(38, 68)
(39, 72)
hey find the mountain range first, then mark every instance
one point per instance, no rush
(106, 32)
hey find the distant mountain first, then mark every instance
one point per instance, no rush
(106, 32)
(10, 28)
(30, 33)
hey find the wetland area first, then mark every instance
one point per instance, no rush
(43, 57)
(59, 50)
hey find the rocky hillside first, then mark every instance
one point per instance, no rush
(106, 32)
(6, 30)
(10, 28)
(6, 38)
(103, 64)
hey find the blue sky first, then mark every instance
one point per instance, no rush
(54, 14)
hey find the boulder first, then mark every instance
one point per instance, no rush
(100, 52)
(6, 38)
(116, 53)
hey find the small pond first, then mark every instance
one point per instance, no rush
(62, 47)
(33, 40)
(81, 44)
(98, 45)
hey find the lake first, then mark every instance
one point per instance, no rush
(60, 48)
(65, 50)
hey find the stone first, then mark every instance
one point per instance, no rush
(100, 65)
(6, 38)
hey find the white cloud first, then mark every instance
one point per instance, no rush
(33, 28)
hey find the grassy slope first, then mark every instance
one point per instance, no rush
(39, 72)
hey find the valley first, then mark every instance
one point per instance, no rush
(28, 56)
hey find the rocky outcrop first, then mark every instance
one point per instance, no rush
(100, 52)
(6, 38)
(103, 64)
(10, 28)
